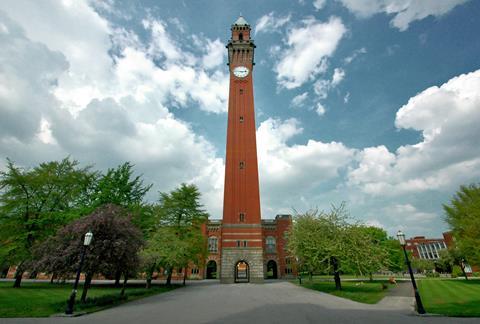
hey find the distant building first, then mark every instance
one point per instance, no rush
(425, 248)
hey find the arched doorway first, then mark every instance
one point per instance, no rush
(211, 270)
(242, 272)
(272, 270)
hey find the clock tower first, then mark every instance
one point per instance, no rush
(242, 249)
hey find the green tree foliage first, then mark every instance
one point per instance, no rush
(422, 265)
(331, 242)
(35, 203)
(463, 216)
(115, 246)
(320, 241)
(449, 258)
(119, 187)
(395, 256)
(371, 252)
(177, 240)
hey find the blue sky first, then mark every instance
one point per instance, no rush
(373, 102)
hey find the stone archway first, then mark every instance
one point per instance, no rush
(242, 271)
(272, 270)
(211, 269)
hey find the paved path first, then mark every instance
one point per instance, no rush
(273, 302)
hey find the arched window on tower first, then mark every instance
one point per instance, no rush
(270, 243)
(212, 244)
(240, 36)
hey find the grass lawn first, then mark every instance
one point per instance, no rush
(360, 291)
(44, 299)
(451, 297)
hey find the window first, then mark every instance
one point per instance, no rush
(240, 36)
(195, 271)
(270, 243)
(242, 165)
(241, 119)
(238, 243)
(288, 266)
(212, 244)
(241, 91)
(244, 243)
(242, 217)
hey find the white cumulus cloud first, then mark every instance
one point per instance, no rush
(307, 48)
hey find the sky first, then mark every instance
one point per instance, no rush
(374, 103)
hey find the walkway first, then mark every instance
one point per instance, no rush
(273, 302)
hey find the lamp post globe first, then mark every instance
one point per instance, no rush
(401, 238)
(88, 238)
(403, 243)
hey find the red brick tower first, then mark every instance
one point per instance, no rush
(242, 252)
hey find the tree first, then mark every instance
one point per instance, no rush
(35, 203)
(395, 255)
(422, 265)
(115, 246)
(452, 257)
(118, 187)
(463, 216)
(177, 240)
(371, 252)
(323, 241)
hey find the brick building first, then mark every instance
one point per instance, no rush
(243, 247)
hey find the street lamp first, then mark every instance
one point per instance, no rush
(71, 301)
(403, 243)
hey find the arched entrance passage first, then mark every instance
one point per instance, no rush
(272, 270)
(242, 271)
(211, 270)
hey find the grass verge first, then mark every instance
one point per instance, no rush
(44, 299)
(360, 291)
(451, 297)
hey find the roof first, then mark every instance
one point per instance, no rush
(241, 22)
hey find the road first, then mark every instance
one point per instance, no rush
(273, 302)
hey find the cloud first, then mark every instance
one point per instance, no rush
(354, 55)
(338, 75)
(115, 108)
(289, 172)
(448, 117)
(270, 23)
(319, 4)
(405, 12)
(322, 87)
(320, 109)
(307, 48)
(299, 101)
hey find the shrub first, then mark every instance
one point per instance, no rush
(456, 271)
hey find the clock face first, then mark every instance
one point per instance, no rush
(240, 71)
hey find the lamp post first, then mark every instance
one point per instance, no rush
(401, 239)
(71, 301)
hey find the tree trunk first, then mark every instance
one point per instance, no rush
(18, 276)
(370, 276)
(169, 277)
(52, 278)
(86, 286)
(125, 279)
(463, 270)
(336, 274)
(310, 275)
(149, 280)
(118, 276)
(184, 276)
